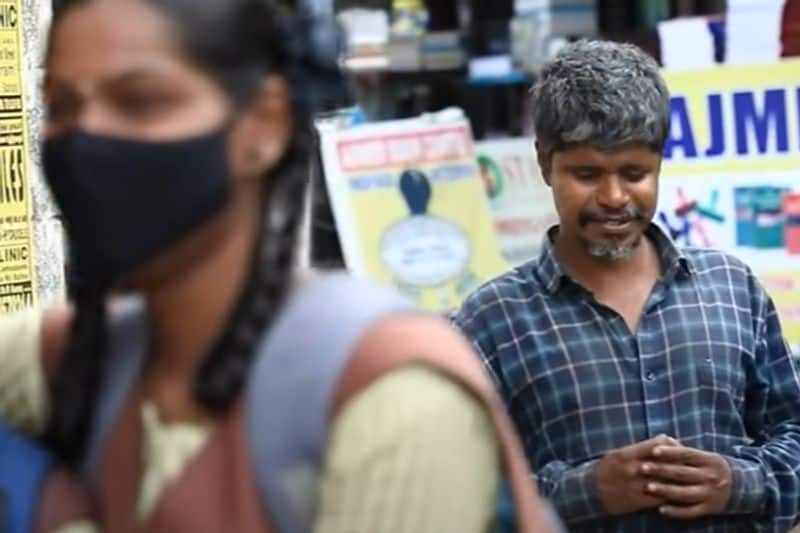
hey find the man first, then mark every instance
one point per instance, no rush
(651, 385)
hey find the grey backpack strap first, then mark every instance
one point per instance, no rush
(292, 385)
(127, 345)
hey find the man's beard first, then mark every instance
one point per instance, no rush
(612, 252)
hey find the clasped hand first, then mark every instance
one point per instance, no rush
(660, 473)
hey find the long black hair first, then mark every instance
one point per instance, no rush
(238, 42)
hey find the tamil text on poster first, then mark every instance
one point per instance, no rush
(521, 202)
(16, 253)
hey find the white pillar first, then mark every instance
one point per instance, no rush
(47, 228)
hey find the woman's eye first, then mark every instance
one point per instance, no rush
(59, 108)
(141, 104)
(55, 111)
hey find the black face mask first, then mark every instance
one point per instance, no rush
(124, 202)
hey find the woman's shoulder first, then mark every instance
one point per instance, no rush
(30, 345)
(342, 291)
(418, 397)
(413, 430)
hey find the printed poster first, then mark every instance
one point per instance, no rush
(410, 207)
(521, 203)
(17, 284)
(731, 173)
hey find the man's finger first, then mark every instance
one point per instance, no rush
(645, 498)
(681, 455)
(683, 512)
(644, 449)
(689, 494)
(685, 475)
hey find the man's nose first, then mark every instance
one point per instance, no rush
(611, 193)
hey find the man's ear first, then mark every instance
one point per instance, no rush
(544, 163)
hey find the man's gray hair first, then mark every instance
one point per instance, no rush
(603, 93)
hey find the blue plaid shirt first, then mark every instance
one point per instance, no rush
(708, 366)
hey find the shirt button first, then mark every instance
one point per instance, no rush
(650, 376)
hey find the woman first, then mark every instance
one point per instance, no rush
(177, 148)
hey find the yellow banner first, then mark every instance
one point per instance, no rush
(785, 289)
(734, 119)
(17, 278)
(411, 210)
(731, 173)
(521, 202)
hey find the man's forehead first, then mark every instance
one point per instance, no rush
(587, 153)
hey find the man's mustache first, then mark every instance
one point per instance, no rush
(620, 217)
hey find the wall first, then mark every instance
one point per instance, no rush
(48, 233)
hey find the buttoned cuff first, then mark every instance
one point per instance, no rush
(747, 487)
(577, 498)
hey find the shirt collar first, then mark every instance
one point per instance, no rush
(551, 272)
(548, 269)
(674, 261)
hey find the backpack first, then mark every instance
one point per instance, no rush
(23, 466)
(287, 470)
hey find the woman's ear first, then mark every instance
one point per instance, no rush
(262, 135)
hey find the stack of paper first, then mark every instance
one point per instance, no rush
(561, 17)
(442, 50)
(405, 53)
(537, 23)
(686, 43)
(367, 33)
(497, 66)
(753, 30)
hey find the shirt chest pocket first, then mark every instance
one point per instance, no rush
(717, 343)
(721, 376)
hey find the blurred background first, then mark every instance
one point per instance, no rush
(426, 176)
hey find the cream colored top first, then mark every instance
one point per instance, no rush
(414, 452)
(22, 390)
(166, 450)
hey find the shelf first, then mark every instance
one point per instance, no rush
(512, 78)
